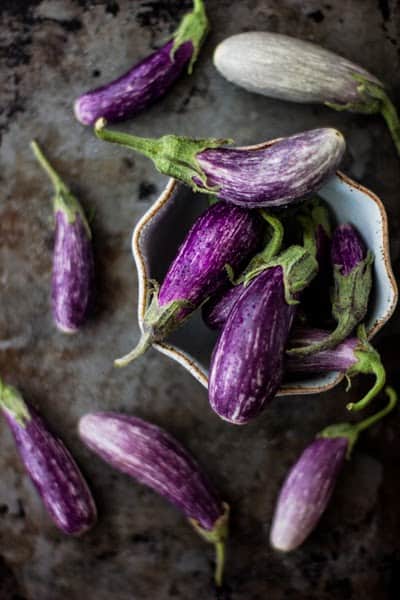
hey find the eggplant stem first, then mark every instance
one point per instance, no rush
(391, 117)
(146, 146)
(56, 180)
(378, 370)
(144, 344)
(390, 392)
(219, 563)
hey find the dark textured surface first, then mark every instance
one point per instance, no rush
(142, 549)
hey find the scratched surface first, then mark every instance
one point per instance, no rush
(142, 549)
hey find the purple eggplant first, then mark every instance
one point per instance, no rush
(308, 487)
(352, 285)
(284, 67)
(222, 235)
(216, 311)
(266, 176)
(73, 264)
(154, 458)
(149, 80)
(353, 356)
(50, 466)
(248, 359)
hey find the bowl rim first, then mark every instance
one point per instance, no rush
(185, 359)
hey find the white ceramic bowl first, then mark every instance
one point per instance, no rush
(161, 230)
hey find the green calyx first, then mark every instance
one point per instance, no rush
(352, 431)
(349, 305)
(313, 216)
(369, 363)
(172, 155)
(193, 28)
(217, 536)
(13, 403)
(63, 200)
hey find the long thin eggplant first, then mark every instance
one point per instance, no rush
(73, 264)
(270, 176)
(150, 79)
(50, 466)
(291, 69)
(153, 457)
(308, 487)
(223, 235)
(352, 265)
(248, 359)
(353, 356)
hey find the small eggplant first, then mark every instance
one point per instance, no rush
(154, 458)
(352, 285)
(308, 487)
(50, 466)
(290, 69)
(149, 80)
(248, 359)
(73, 264)
(223, 235)
(257, 177)
(354, 355)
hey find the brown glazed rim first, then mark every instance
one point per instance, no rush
(187, 361)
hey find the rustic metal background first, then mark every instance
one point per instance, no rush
(142, 549)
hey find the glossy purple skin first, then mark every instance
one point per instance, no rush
(223, 234)
(276, 174)
(348, 249)
(73, 274)
(341, 358)
(247, 362)
(306, 492)
(216, 311)
(54, 473)
(154, 458)
(134, 91)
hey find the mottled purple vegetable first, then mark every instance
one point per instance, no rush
(268, 176)
(284, 67)
(353, 356)
(216, 311)
(223, 235)
(352, 285)
(154, 458)
(309, 485)
(50, 466)
(247, 363)
(150, 79)
(73, 265)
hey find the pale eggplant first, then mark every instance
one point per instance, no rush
(151, 78)
(295, 70)
(254, 177)
(352, 274)
(72, 284)
(223, 235)
(154, 458)
(308, 487)
(248, 359)
(50, 466)
(353, 356)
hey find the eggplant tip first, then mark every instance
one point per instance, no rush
(100, 124)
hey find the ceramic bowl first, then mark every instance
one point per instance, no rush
(159, 233)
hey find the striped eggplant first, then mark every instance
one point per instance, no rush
(353, 356)
(352, 265)
(223, 235)
(308, 487)
(248, 359)
(154, 458)
(73, 264)
(151, 78)
(50, 466)
(260, 176)
(290, 69)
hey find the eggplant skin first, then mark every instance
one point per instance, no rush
(306, 492)
(348, 249)
(247, 362)
(216, 311)
(137, 89)
(223, 234)
(341, 358)
(73, 273)
(54, 473)
(153, 457)
(274, 175)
